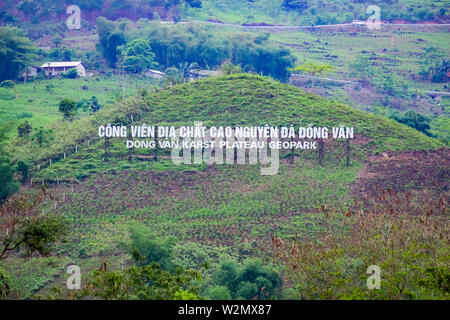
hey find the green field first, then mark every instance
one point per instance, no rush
(38, 101)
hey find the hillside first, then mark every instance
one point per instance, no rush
(223, 101)
(220, 212)
(363, 215)
(306, 12)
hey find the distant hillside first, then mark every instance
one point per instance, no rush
(237, 11)
(241, 99)
(317, 12)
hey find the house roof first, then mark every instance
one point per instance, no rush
(61, 64)
(156, 72)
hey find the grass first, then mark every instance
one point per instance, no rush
(215, 212)
(271, 11)
(38, 101)
(229, 100)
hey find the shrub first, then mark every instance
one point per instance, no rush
(408, 241)
(24, 129)
(249, 281)
(23, 168)
(71, 74)
(67, 107)
(147, 247)
(219, 293)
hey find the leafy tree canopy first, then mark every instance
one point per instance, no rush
(16, 52)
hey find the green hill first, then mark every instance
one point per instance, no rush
(216, 212)
(220, 101)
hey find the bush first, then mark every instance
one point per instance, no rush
(24, 129)
(147, 247)
(413, 119)
(405, 234)
(67, 107)
(219, 293)
(249, 281)
(23, 168)
(25, 115)
(149, 282)
(71, 74)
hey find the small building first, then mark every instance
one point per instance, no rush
(155, 74)
(30, 72)
(56, 68)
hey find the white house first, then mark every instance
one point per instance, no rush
(155, 74)
(56, 68)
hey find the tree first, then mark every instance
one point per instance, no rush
(228, 68)
(28, 8)
(114, 40)
(194, 3)
(409, 242)
(23, 169)
(5, 288)
(109, 40)
(23, 227)
(24, 129)
(71, 74)
(147, 247)
(249, 281)
(42, 136)
(413, 119)
(219, 293)
(298, 5)
(173, 76)
(94, 105)
(7, 184)
(57, 40)
(9, 85)
(150, 282)
(67, 108)
(185, 69)
(434, 65)
(440, 128)
(227, 275)
(314, 69)
(138, 56)
(15, 52)
(362, 69)
(258, 280)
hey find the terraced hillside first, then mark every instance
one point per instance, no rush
(215, 212)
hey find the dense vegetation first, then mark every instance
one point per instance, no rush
(15, 52)
(172, 46)
(226, 214)
(404, 240)
(141, 227)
